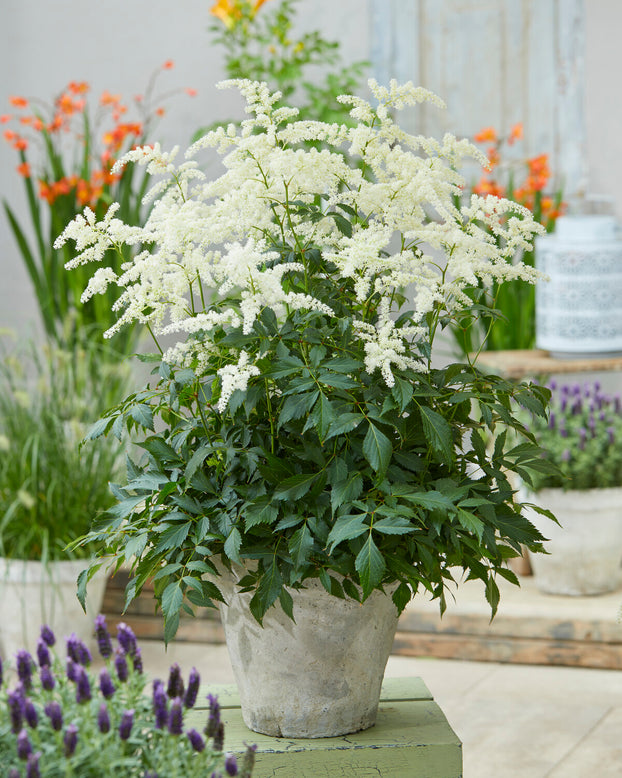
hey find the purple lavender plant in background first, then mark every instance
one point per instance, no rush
(55, 723)
(582, 437)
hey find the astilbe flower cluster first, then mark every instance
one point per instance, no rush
(213, 256)
(582, 436)
(58, 719)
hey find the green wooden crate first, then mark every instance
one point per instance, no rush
(411, 739)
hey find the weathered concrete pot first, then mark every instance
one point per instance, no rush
(32, 594)
(317, 677)
(585, 553)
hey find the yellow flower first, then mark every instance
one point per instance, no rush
(228, 12)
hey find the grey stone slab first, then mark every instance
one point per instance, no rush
(598, 754)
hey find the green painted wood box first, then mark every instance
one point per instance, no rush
(411, 739)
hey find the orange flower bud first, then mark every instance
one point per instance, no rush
(168, 65)
(6, 117)
(24, 169)
(516, 133)
(487, 135)
(18, 102)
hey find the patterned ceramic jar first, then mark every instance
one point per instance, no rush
(579, 311)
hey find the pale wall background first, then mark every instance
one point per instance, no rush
(487, 58)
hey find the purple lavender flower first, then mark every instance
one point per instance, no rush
(566, 455)
(552, 421)
(248, 762)
(176, 719)
(25, 665)
(104, 642)
(30, 714)
(127, 722)
(24, 746)
(47, 636)
(47, 678)
(582, 437)
(1, 672)
(32, 766)
(83, 686)
(192, 691)
(616, 403)
(120, 663)
(611, 435)
(231, 765)
(175, 686)
(103, 719)
(219, 738)
(137, 661)
(16, 703)
(196, 741)
(160, 702)
(43, 653)
(78, 651)
(126, 638)
(14, 773)
(70, 739)
(214, 716)
(55, 714)
(72, 669)
(106, 687)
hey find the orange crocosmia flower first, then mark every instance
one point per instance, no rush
(516, 133)
(258, 4)
(160, 111)
(189, 91)
(228, 12)
(487, 135)
(487, 187)
(20, 144)
(109, 99)
(24, 169)
(18, 102)
(6, 117)
(168, 65)
(78, 87)
(9, 135)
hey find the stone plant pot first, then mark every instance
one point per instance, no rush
(585, 553)
(33, 593)
(317, 677)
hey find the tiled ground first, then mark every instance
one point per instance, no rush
(515, 721)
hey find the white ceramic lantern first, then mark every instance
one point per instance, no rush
(579, 311)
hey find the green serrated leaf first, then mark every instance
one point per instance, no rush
(232, 545)
(346, 528)
(260, 511)
(301, 545)
(295, 487)
(438, 434)
(344, 423)
(370, 566)
(142, 415)
(377, 449)
(471, 523)
(346, 490)
(393, 526)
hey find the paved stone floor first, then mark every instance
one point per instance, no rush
(515, 721)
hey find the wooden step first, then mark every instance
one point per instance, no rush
(530, 628)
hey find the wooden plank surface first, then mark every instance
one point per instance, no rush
(411, 738)
(532, 363)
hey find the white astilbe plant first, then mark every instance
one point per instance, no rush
(384, 216)
(301, 422)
